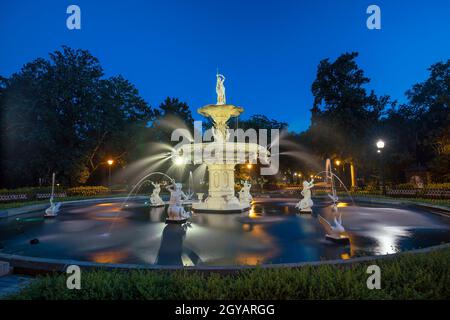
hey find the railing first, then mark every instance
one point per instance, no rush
(419, 193)
(48, 195)
(425, 193)
(13, 197)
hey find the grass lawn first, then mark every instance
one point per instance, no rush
(406, 276)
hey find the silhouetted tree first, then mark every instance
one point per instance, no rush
(344, 114)
(60, 114)
(419, 130)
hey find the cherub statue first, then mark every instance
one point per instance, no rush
(155, 199)
(306, 203)
(232, 201)
(244, 193)
(176, 210)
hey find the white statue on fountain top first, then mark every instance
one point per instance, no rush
(155, 199)
(176, 210)
(244, 194)
(220, 89)
(306, 203)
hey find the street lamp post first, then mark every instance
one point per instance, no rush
(249, 167)
(337, 162)
(380, 146)
(110, 163)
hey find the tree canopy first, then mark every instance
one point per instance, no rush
(419, 131)
(343, 112)
(61, 114)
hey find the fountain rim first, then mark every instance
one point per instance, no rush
(39, 265)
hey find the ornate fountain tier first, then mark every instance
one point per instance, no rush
(220, 114)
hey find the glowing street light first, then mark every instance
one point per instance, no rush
(249, 166)
(297, 176)
(380, 144)
(110, 162)
(337, 162)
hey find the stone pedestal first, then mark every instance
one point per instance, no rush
(221, 195)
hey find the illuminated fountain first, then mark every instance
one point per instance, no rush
(221, 156)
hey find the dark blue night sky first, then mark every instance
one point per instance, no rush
(268, 50)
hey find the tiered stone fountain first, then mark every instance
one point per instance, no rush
(221, 194)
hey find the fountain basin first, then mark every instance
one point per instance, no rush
(271, 233)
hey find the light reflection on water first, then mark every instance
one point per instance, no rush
(269, 233)
(388, 238)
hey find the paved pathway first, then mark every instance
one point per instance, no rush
(12, 284)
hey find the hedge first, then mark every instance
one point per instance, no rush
(406, 276)
(87, 191)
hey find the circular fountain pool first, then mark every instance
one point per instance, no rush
(271, 233)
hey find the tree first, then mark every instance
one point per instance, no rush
(259, 121)
(344, 115)
(423, 123)
(62, 115)
(172, 114)
(174, 107)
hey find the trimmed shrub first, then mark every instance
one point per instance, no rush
(29, 193)
(406, 276)
(87, 191)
